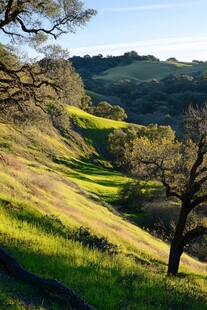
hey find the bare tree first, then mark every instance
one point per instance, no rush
(182, 169)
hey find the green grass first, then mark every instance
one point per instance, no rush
(49, 187)
(88, 121)
(94, 129)
(144, 71)
(96, 98)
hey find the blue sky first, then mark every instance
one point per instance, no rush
(163, 28)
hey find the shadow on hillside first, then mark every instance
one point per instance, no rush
(98, 138)
(85, 170)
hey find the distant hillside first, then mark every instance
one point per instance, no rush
(88, 66)
(150, 91)
(132, 66)
(146, 71)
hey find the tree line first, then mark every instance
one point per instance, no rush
(88, 66)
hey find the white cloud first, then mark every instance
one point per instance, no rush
(186, 48)
(149, 7)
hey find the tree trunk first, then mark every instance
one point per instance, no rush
(177, 245)
(49, 286)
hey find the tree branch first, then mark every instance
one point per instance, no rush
(197, 201)
(194, 233)
(169, 191)
(197, 185)
(203, 170)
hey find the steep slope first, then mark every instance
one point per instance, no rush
(51, 186)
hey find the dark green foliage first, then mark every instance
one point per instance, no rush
(135, 195)
(106, 110)
(84, 236)
(132, 195)
(172, 95)
(173, 59)
(160, 218)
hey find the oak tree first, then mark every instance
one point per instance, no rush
(32, 22)
(107, 110)
(182, 169)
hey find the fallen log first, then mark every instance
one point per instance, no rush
(48, 286)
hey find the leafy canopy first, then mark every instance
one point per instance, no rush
(35, 21)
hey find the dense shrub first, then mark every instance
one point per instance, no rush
(84, 236)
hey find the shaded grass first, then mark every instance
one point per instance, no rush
(96, 98)
(106, 183)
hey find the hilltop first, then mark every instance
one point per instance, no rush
(56, 219)
(131, 66)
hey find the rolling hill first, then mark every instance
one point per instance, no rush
(55, 195)
(146, 71)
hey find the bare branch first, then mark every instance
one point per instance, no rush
(194, 233)
(197, 201)
(201, 171)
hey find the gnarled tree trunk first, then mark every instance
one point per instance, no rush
(50, 286)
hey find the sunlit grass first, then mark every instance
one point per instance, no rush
(142, 71)
(45, 190)
(95, 129)
(89, 121)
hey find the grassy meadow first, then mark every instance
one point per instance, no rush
(50, 186)
(145, 71)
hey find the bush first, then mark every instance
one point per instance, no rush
(160, 218)
(84, 236)
(132, 196)
(106, 110)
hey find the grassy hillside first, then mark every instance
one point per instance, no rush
(145, 71)
(96, 98)
(50, 186)
(94, 129)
